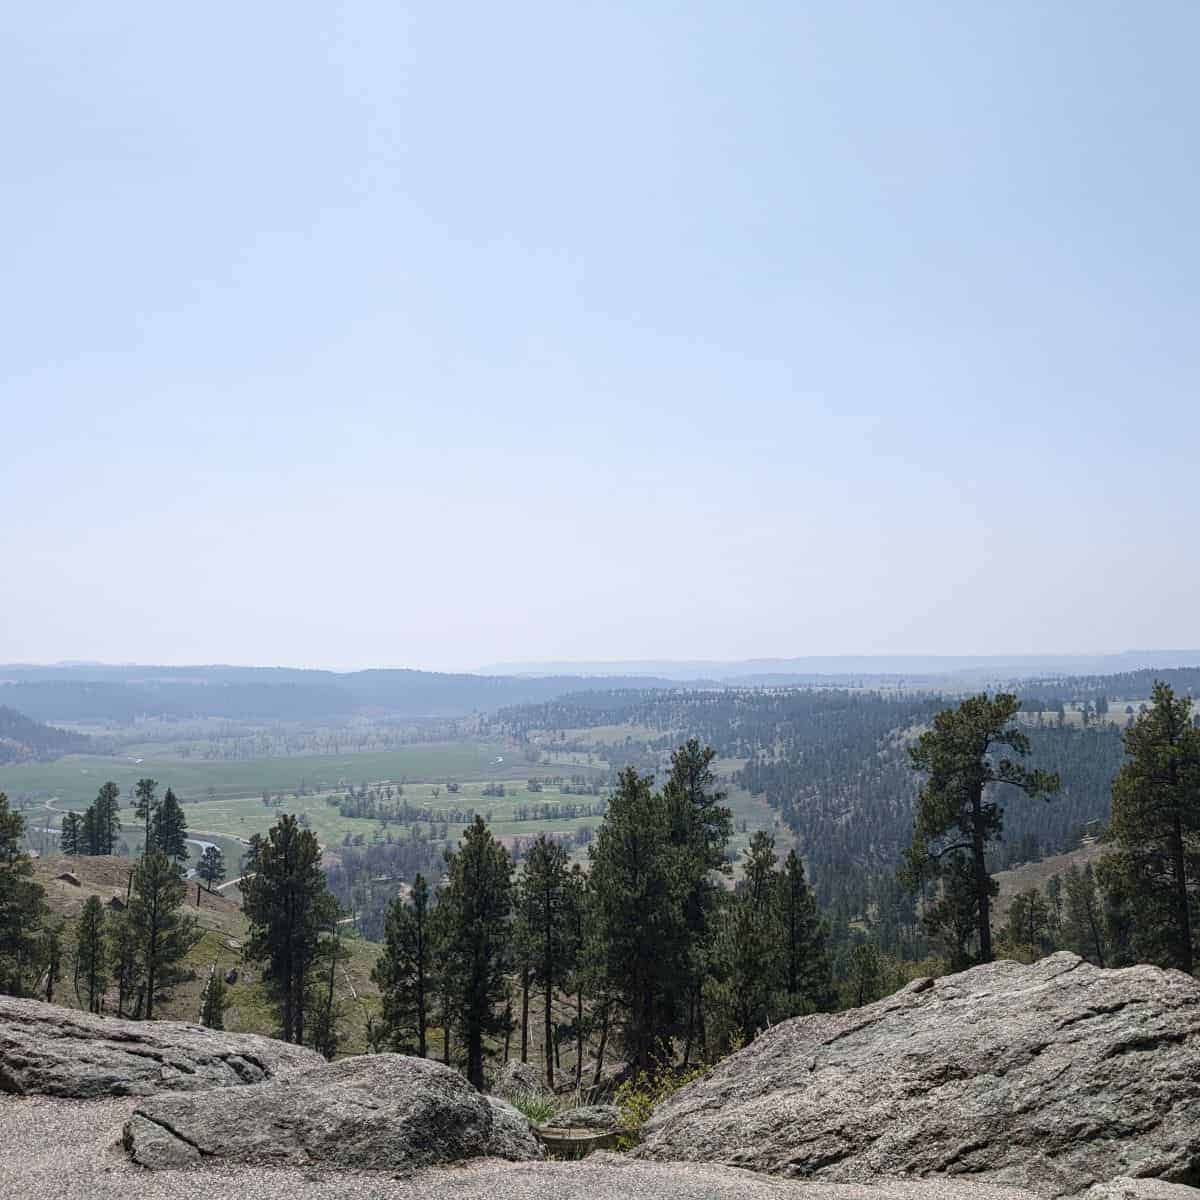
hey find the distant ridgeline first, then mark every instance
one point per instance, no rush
(834, 763)
(125, 694)
(22, 739)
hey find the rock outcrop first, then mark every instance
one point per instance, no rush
(53, 1051)
(1053, 1077)
(376, 1112)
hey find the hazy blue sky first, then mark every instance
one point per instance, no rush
(441, 334)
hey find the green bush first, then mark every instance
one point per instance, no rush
(638, 1097)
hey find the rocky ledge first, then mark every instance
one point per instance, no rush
(52, 1051)
(1052, 1077)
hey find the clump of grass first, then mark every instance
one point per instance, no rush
(536, 1107)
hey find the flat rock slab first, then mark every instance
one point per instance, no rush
(1052, 1077)
(376, 1112)
(53, 1051)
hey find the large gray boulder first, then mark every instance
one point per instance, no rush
(376, 1112)
(1053, 1077)
(53, 1051)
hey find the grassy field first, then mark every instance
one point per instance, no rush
(76, 778)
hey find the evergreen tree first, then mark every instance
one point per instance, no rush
(479, 901)
(404, 971)
(325, 1008)
(211, 867)
(864, 976)
(126, 965)
(953, 812)
(1083, 915)
(546, 888)
(288, 904)
(641, 926)
(754, 974)
(22, 908)
(106, 819)
(700, 828)
(91, 955)
(1155, 832)
(1029, 920)
(146, 809)
(952, 919)
(807, 974)
(89, 836)
(163, 932)
(576, 934)
(212, 1014)
(69, 837)
(169, 828)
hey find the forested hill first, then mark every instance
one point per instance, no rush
(834, 764)
(1089, 688)
(22, 739)
(123, 694)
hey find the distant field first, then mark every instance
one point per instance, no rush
(76, 778)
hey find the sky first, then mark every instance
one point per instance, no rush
(434, 335)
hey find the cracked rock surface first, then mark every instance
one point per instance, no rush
(376, 1112)
(53, 1051)
(1052, 1077)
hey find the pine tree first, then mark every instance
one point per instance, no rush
(89, 836)
(22, 908)
(212, 1013)
(106, 820)
(126, 964)
(1083, 915)
(146, 809)
(288, 904)
(1155, 832)
(953, 813)
(807, 973)
(326, 1011)
(404, 971)
(755, 936)
(169, 828)
(1029, 922)
(69, 836)
(211, 867)
(479, 900)
(701, 827)
(640, 921)
(545, 888)
(161, 929)
(91, 955)
(864, 975)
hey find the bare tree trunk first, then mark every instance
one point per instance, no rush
(982, 891)
(525, 1014)
(603, 1044)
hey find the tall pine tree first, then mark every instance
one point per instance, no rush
(1155, 831)
(404, 971)
(161, 930)
(288, 903)
(479, 902)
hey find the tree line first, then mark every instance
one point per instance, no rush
(650, 947)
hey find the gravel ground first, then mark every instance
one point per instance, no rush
(70, 1150)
